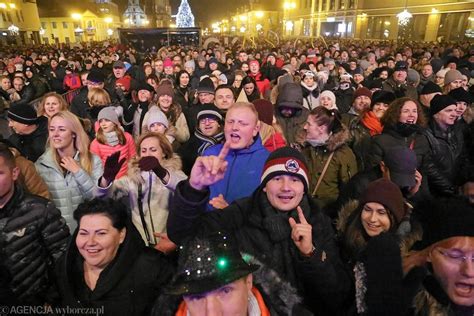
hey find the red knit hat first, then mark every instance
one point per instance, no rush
(125, 82)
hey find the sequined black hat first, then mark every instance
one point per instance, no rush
(208, 263)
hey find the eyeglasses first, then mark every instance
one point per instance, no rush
(456, 257)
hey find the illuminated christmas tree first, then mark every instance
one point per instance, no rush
(185, 17)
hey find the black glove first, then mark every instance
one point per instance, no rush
(120, 94)
(151, 163)
(383, 264)
(112, 166)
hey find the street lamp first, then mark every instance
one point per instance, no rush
(76, 16)
(14, 30)
(404, 16)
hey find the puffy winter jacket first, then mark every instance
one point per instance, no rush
(33, 236)
(155, 195)
(70, 189)
(127, 151)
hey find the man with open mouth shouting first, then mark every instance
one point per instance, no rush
(245, 156)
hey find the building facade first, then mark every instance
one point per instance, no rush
(92, 21)
(372, 19)
(19, 22)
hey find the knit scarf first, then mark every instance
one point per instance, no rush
(275, 223)
(372, 122)
(207, 141)
(111, 138)
(405, 129)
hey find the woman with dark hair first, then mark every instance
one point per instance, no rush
(330, 160)
(368, 236)
(182, 92)
(250, 89)
(404, 124)
(107, 266)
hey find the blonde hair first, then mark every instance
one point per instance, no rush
(98, 97)
(62, 102)
(81, 140)
(245, 105)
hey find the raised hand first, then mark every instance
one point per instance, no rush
(416, 187)
(165, 245)
(209, 169)
(70, 164)
(112, 167)
(219, 202)
(151, 163)
(301, 233)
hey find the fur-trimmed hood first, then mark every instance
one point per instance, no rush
(134, 172)
(337, 140)
(468, 115)
(344, 214)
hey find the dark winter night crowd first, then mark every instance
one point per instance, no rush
(318, 178)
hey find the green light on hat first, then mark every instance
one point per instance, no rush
(222, 263)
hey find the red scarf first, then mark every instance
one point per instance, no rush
(372, 122)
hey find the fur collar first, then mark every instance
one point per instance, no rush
(309, 88)
(344, 214)
(282, 294)
(134, 172)
(468, 115)
(338, 139)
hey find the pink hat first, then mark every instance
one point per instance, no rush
(167, 63)
(254, 62)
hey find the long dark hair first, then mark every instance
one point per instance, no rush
(256, 93)
(178, 75)
(355, 237)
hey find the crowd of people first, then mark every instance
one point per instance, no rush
(305, 179)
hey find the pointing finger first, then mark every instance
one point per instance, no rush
(301, 216)
(224, 151)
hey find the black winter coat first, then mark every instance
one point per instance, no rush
(127, 286)
(32, 146)
(79, 104)
(33, 236)
(391, 137)
(447, 149)
(27, 95)
(320, 279)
